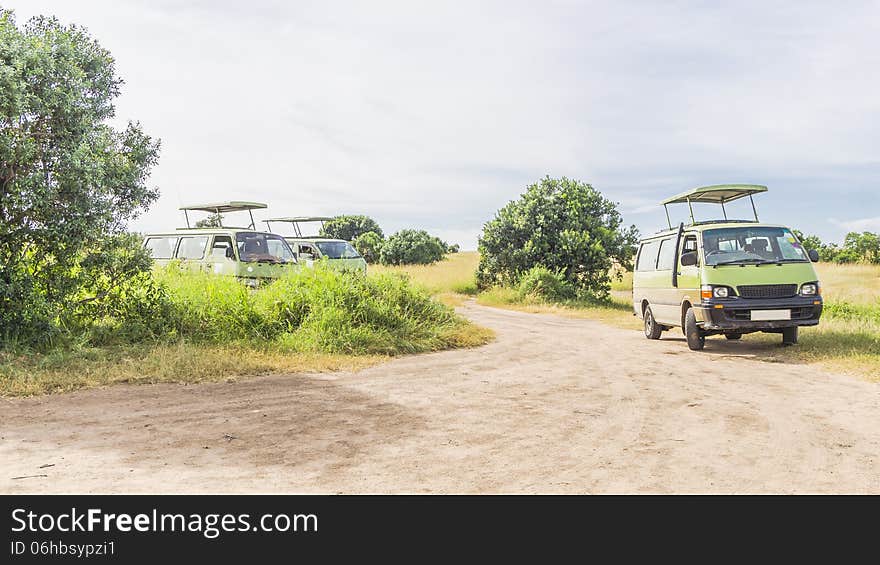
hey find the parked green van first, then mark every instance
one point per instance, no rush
(726, 276)
(252, 256)
(338, 253)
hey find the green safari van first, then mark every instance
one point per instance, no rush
(251, 256)
(338, 253)
(725, 277)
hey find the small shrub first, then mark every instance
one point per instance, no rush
(541, 282)
(412, 247)
(369, 245)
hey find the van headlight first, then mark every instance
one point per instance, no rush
(810, 289)
(708, 291)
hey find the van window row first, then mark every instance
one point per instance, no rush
(659, 255)
(252, 247)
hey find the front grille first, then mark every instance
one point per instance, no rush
(767, 290)
(743, 315)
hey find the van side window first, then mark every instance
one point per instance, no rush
(689, 245)
(667, 255)
(161, 247)
(222, 248)
(648, 256)
(192, 247)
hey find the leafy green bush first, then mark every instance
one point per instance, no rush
(350, 227)
(542, 283)
(318, 309)
(369, 245)
(412, 247)
(564, 225)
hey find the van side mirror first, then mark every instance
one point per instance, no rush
(813, 255)
(689, 259)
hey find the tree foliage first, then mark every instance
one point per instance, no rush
(564, 225)
(369, 245)
(349, 227)
(68, 180)
(408, 247)
(857, 247)
(212, 221)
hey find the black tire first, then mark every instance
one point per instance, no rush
(733, 336)
(653, 330)
(695, 337)
(789, 335)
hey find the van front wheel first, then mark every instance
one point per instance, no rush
(789, 335)
(695, 338)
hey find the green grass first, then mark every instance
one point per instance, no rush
(450, 281)
(615, 311)
(210, 327)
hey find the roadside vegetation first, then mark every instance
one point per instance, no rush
(197, 327)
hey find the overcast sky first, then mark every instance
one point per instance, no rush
(435, 114)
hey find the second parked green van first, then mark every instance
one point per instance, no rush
(727, 277)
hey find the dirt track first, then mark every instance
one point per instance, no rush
(555, 405)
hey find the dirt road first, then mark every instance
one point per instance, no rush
(554, 405)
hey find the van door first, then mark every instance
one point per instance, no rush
(191, 252)
(688, 277)
(665, 304)
(221, 260)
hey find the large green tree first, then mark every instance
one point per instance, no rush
(69, 180)
(564, 225)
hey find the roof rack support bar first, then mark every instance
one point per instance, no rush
(186, 215)
(755, 210)
(722, 209)
(691, 208)
(253, 223)
(668, 221)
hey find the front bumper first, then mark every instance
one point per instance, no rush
(734, 313)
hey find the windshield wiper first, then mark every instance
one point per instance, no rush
(739, 262)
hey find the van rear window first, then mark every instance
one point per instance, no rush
(161, 247)
(667, 255)
(648, 256)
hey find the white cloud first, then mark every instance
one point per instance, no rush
(860, 225)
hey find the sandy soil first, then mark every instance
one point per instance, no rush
(556, 405)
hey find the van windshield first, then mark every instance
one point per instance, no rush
(751, 245)
(263, 248)
(337, 250)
